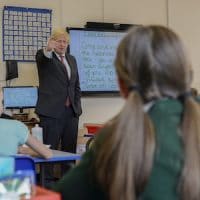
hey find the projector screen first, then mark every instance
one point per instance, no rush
(20, 97)
(95, 51)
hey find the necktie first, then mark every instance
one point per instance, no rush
(67, 102)
(62, 60)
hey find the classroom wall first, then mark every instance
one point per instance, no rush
(182, 16)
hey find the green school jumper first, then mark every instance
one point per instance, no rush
(80, 184)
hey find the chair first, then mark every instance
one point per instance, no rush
(17, 165)
(92, 131)
(24, 163)
(20, 162)
(89, 143)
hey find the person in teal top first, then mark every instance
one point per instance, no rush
(150, 150)
(13, 134)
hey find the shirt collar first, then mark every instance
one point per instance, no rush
(58, 56)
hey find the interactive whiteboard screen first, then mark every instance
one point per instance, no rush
(20, 97)
(95, 51)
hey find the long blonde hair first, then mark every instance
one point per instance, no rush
(152, 60)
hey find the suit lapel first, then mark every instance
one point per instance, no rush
(61, 66)
(70, 65)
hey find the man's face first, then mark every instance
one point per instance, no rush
(61, 45)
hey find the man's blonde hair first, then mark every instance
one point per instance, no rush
(58, 33)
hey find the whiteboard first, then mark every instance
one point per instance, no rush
(95, 51)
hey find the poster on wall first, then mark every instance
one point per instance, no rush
(25, 30)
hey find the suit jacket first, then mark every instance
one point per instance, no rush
(54, 85)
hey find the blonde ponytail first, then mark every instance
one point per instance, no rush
(190, 181)
(127, 152)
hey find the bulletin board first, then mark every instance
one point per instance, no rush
(25, 30)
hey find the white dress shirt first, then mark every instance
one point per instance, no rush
(48, 54)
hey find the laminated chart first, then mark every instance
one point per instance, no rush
(25, 30)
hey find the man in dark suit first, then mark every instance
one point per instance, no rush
(59, 104)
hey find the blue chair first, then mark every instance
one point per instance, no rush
(24, 163)
(17, 163)
(21, 162)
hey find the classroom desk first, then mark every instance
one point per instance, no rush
(58, 157)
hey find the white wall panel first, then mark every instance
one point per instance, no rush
(135, 11)
(77, 12)
(184, 18)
